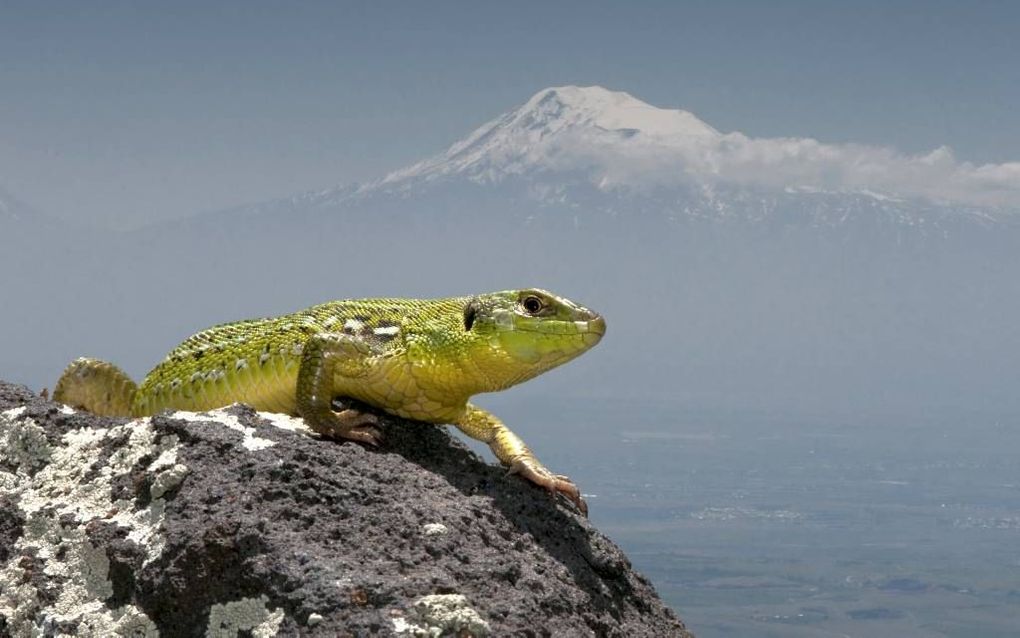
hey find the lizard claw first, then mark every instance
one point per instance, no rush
(358, 426)
(364, 434)
(555, 483)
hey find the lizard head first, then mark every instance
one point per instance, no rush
(521, 333)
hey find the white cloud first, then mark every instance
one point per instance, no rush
(785, 163)
(936, 176)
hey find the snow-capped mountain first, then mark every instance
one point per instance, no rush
(567, 129)
(587, 154)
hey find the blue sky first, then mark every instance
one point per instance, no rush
(125, 113)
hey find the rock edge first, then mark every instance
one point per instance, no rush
(235, 522)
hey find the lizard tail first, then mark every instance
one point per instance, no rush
(97, 386)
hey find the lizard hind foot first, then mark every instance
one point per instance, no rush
(345, 423)
(358, 426)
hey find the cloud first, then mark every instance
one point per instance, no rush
(798, 163)
(936, 176)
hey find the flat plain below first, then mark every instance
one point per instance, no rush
(761, 523)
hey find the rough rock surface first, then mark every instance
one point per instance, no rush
(239, 523)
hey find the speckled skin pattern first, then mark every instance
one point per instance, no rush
(415, 358)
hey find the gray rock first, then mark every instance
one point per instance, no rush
(232, 524)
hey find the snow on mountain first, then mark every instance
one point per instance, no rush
(562, 128)
(613, 141)
(573, 157)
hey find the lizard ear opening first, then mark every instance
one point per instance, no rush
(470, 312)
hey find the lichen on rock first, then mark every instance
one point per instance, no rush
(227, 620)
(234, 523)
(443, 615)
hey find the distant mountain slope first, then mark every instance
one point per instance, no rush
(564, 129)
(577, 156)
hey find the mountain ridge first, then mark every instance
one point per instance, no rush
(614, 141)
(588, 154)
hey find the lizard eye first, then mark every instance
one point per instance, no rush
(533, 305)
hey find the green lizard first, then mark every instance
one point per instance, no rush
(420, 359)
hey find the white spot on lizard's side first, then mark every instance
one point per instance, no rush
(387, 330)
(227, 620)
(240, 364)
(353, 325)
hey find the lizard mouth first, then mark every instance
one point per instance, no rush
(596, 325)
(591, 331)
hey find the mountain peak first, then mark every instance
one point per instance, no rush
(610, 110)
(554, 125)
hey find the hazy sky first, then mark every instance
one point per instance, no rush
(124, 113)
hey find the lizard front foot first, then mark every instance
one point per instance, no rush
(535, 472)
